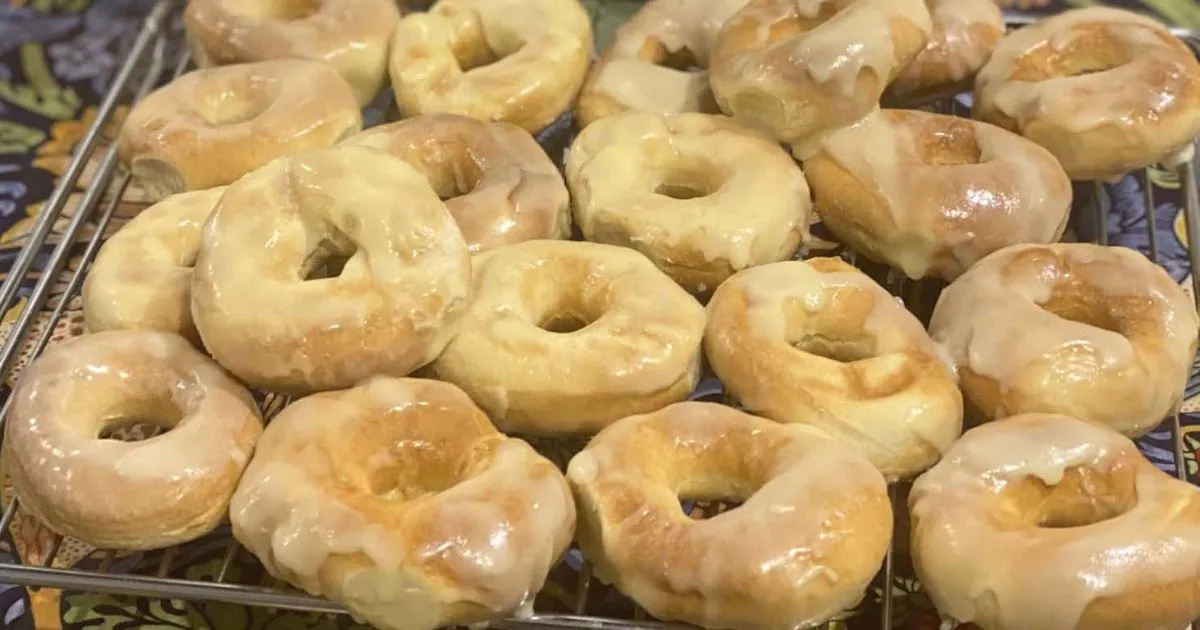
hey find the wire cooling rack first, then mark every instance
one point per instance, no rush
(148, 66)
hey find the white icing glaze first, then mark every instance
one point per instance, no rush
(535, 55)
(307, 507)
(758, 199)
(642, 338)
(137, 495)
(499, 185)
(943, 217)
(756, 342)
(826, 53)
(991, 321)
(985, 564)
(389, 311)
(350, 35)
(625, 75)
(142, 277)
(1070, 90)
(778, 545)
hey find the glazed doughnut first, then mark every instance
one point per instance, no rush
(352, 36)
(323, 269)
(1098, 333)
(515, 61)
(813, 528)
(965, 32)
(799, 68)
(399, 499)
(142, 277)
(1106, 91)
(700, 195)
(497, 182)
(209, 127)
(818, 342)
(1044, 522)
(565, 337)
(930, 194)
(110, 493)
(657, 61)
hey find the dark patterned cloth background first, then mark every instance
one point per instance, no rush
(57, 56)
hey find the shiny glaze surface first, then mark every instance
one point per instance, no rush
(260, 299)
(399, 499)
(128, 495)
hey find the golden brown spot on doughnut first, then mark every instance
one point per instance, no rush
(1083, 497)
(1094, 49)
(946, 141)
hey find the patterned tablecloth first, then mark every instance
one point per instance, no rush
(56, 56)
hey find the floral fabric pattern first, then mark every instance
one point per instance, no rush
(56, 59)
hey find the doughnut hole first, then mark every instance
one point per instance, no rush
(682, 60)
(472, 46)
(1092, 49)
(568, 308)
(689, 178)
(1082, 497)
(328, 259)
(450, 169)
(138, 419)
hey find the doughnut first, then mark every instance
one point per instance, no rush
(142, 277)
(818, 342)
(930, 195)
(1097, 333)
(811, 532)
(209, 127)
(565, 337)
(657, 61)
(113, 494)
(323, 269)
(965, 32)
(399, 499)
(497, 182)
(1106, 91)
(700, 195)
(514, 61)
(1045, 522)
(799, 68)
(352, 36)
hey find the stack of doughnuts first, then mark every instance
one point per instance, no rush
(430, 292)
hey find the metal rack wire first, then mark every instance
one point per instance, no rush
(148, 66)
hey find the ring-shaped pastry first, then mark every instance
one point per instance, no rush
(497, 182)
(323, 269)
(812, 529)
(1045, 522)
(565, 337)
(965, 32)
(818, 342)
(514, 61)
(930, 194)
(209, 127)
(114, 494)
(1098, 333)
(142, 277)
(800, 69)
(657, 61)
(352, 36)
(1107, 91)
(400, 499)
(700, 195)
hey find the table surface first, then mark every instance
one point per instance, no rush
(56, 57)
